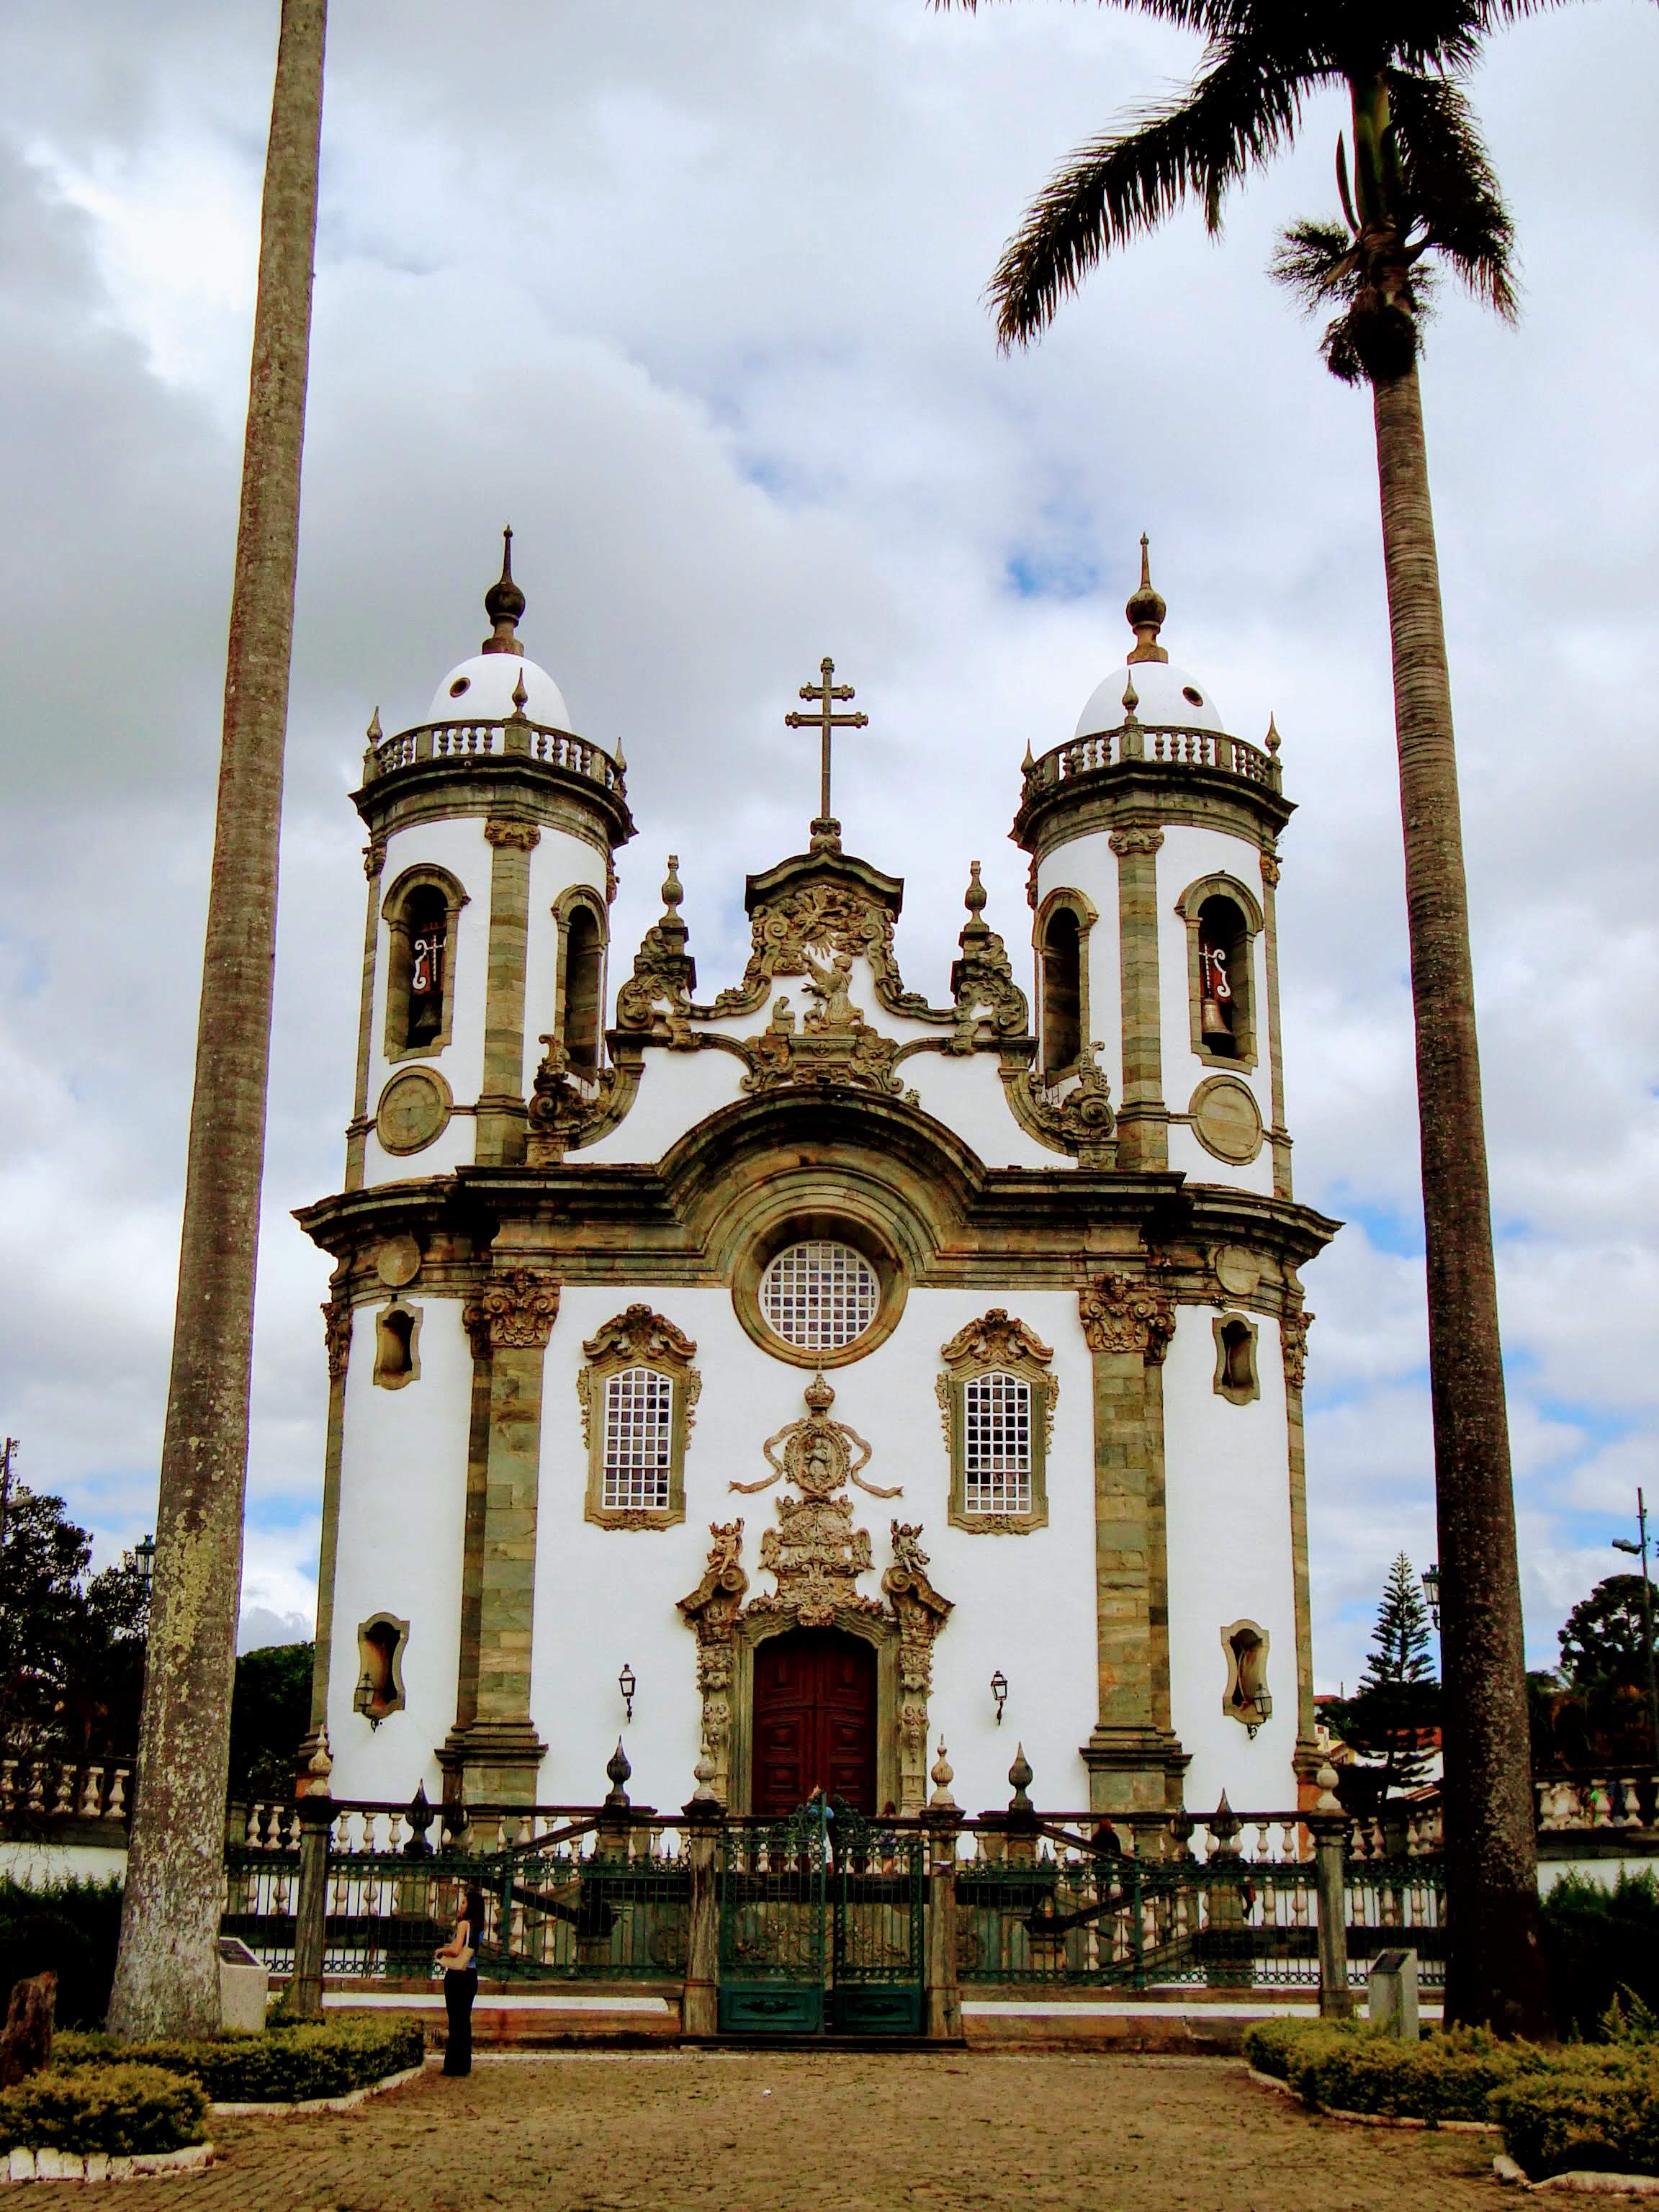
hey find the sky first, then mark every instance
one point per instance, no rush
(693, 297)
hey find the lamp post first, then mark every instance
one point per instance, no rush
(144, 1554)
(1431, 1580)
(999, 1692)
(627, 1682)
(1640, 1552)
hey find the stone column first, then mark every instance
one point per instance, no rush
(498, 1750)
(358, 1135)
(1134, 1759)
(941, 1823)
(305, 1994)
(1143, 1117)
(700, 1997)
(1293, 1334)
(1278, 1136)
(502, 1113)
(336, 1324)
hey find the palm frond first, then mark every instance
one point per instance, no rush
(1451, 187)
(1237, 114)
(1318, 263)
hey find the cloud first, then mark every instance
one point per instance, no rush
(692, 297)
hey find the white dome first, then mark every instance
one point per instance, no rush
(480, 690)
(1166, 694)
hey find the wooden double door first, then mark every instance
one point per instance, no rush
(814, 1721)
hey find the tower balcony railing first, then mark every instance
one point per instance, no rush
(1169, 744)
(514, 736)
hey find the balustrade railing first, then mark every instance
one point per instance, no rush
(36, 1791)
(455, 741)
(1174, 746)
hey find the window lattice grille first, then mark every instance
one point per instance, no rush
(638, 1421)
(819, 1296)
(997, 1444)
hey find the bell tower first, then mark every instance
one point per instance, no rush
(1153, 837)
(491, 828)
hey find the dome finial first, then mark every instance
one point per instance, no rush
(1146, 610)
(504, 604)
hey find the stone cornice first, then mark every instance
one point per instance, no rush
(1153, 792)
(495, 784)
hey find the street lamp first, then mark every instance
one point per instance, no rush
(1431, 1580)
(143, 1552)
(999, 1692)
(1640, 1552)
(627, 1683)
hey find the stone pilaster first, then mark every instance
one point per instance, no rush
(1278, 1136)
(1134, 1759)
(357, 1136)
(1143, 1117)
(337, 1325)
(498, 1752)
(501, 1111)
(1309, 1757)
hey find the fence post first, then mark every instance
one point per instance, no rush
(1330, 1888)
(941, 1823)
(700, 2001)
(305, 1988)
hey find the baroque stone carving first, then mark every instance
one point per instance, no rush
(515, 1310)
(817, 1452)
(639, 1336)
(1127, 1313)
(523, 837)
(1269, 868)
(1294, 1328)
(1134, 840)
(982, 979)
(1081, 1122)
(921, 1613)
(336, 1336)
(997, 1340)
(823, 916)
(657, 997)
(373, 857)
(711, 1611)
(837, 1046)
(566, 1112)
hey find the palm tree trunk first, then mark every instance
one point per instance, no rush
(1496, 1974)
(166, 1978)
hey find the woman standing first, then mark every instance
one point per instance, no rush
(460, 1961)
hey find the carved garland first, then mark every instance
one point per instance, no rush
(1124, 1313)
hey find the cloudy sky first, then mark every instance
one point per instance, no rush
(693, 297)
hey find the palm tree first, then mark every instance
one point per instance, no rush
(166, 1978)
(1421, 189)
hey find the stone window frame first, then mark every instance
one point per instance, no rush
(811, 1223)
(997, 1344)
(366, 1641)
(638, 1338)
(1189, 906)
(1235, 1393)
(1077, 902)
(585, 896)
(382, 1313)
(421, 875)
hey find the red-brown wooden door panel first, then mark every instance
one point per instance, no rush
(814, 1720)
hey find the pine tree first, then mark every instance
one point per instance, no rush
(1398, 1701)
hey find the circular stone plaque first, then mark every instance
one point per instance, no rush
(399, 1260)
(1237, 1270)
(1226, 1120)
(413, 1111)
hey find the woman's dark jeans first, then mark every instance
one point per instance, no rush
(459, 1989)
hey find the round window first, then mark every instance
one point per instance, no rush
(819, 1296)
(461, 683)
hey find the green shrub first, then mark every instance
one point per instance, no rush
(287, 2065)
(118, 2109)
(70, 1928)
(1447, 2077)
(1604, 2117)
(1269, 2045)
(1601, 1942)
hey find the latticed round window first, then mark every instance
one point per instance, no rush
(819, 1296)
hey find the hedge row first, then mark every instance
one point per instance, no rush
(1588, 2106)
(285, 2065)
(118, 2109)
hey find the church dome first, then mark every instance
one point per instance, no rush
(1165, 695)
(481, 690)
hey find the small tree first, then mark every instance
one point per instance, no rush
(71, 1648)
(1602, 1643)
(1398, 1701)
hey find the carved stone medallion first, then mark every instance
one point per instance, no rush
(413, 1110)
(1226, 1120)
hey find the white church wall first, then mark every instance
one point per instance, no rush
(1090, 866)
(677, 1090)
(1188, 855)
(1187, 1157)
(403, 1500)
(557, 864)
(969, 1096)
(604, 1597)
(461, 847)
(1227, 1491)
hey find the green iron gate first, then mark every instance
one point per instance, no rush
(821, 1926)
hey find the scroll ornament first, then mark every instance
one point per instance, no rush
(1125, 1313)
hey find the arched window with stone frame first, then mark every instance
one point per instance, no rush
(997, 1398)
(421, 912)
(639, 1393)
(1224, 921)
(578, 1012)
(1063, 923)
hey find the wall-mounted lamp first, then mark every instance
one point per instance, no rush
(1263, 1710)
(143, 1554)
(364, 1699)
(999, 1692)
(1431, 1591)
(627, 1684)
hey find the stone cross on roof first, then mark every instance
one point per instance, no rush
(826, 831)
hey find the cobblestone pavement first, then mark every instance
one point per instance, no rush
(844, 2132)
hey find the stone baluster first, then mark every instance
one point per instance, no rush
(36, 1787)
(91, 1793)
(117, 1808)
(8, 1784)
(64, 1799)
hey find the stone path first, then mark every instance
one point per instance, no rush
(716, 2131)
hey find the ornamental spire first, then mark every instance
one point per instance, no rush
(504, 604)
(1146, 610)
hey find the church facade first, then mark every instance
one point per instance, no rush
(794, 1378)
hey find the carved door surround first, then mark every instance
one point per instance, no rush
(816, 1556)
